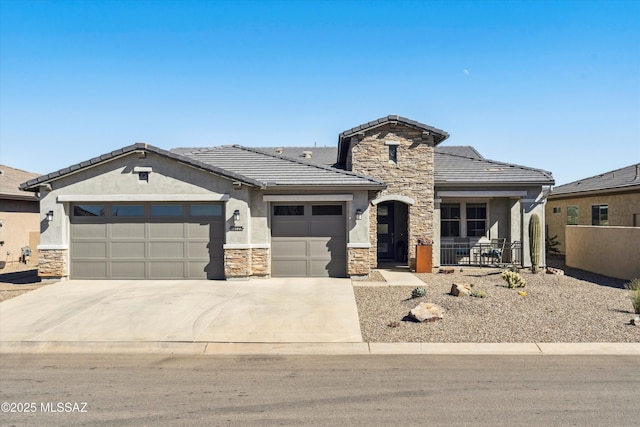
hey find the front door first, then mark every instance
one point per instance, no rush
(386, 241)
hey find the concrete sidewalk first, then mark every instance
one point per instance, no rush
(231, 348)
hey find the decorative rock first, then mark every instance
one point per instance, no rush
(447, 270)
(460, 290)
(556, 271)
(635, 321)
(426, 312)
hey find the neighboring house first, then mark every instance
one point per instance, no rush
(235, 212)
(19, 216)
(608, 199)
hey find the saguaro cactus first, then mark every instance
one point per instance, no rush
(534, 242)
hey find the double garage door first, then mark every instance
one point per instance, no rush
(308, 239)
(147, 240)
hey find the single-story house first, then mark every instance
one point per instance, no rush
(19, 216)
(608, 199)
(235, 212)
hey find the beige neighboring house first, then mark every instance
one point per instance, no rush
(608, 199)
(19, 216)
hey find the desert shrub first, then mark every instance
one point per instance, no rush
(479, 294)
(418, 292)
(513, 279)
(634, 287)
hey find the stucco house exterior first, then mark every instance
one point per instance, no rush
(608, 199)
(19, 216)
(235, 212)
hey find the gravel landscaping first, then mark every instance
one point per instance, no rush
(576, 307)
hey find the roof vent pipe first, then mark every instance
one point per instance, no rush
(306, 154)
(637, 178)
(279, 150)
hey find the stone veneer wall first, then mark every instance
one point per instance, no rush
(52, 263)
(237, 263)
(359, 262)
(373, 236)
(412, 176)
(260, 262)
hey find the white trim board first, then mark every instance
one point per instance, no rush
(481, 193)
(212, 197)
(307, 197)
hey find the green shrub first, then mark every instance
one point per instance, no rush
(513, 279)
(418, 292)
(634, 287)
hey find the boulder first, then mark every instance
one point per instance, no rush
(635, 321)
(447, 270)
(426, 312)
(460, 290)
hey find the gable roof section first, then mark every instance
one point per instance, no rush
(626, 178)
(10, 180)
(276, 171)
(453, 169)
(439, 134)
(33, 184)
(459, 150)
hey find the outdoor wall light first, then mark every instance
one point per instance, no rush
(236, 215)
(358, 214)
(50, 216)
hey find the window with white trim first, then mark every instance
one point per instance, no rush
(463, 219)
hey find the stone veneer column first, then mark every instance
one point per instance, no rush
(52, 263)
(373, 236)
(358, 263)
(260, 262)
(411, 176)
(237, 263)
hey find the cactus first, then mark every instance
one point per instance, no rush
(534, 242)
(418, 292)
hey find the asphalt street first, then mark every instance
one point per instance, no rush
(398, 390)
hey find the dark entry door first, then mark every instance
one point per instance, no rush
(386, 241)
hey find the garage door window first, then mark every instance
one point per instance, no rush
(166, 210)
(326, 210)
(127, 210)
(289, 210)
(88, 210)
(202, 209)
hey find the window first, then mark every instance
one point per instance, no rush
(600, 215)
(557, 209)
(88, 210)
(296, 210)
(166, 210)
(572, 215)
(325, 210)
(393, 153)
(450, 220)
(127, 210)
(205, 209)
(476, 219)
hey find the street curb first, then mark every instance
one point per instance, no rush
(218, 348)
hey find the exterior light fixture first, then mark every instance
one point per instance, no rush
(50, 216)
(236, 215)
(236, 218)
(358, 214)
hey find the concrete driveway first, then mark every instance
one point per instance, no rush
(259, 310)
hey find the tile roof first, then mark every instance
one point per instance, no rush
(10, 179)
(440, 134)
(460, 150)
(276, 170)
(619, 179)
(33, 184)
(453, 169)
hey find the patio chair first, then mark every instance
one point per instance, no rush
(495, 250)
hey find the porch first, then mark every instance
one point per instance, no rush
(481, 253)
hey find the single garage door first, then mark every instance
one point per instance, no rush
(147, 240)
(308, 239)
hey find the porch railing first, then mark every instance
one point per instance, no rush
(479, 254)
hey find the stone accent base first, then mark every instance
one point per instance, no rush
(260, 262)
(52, 263)
(358, 263)
(237, 263)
